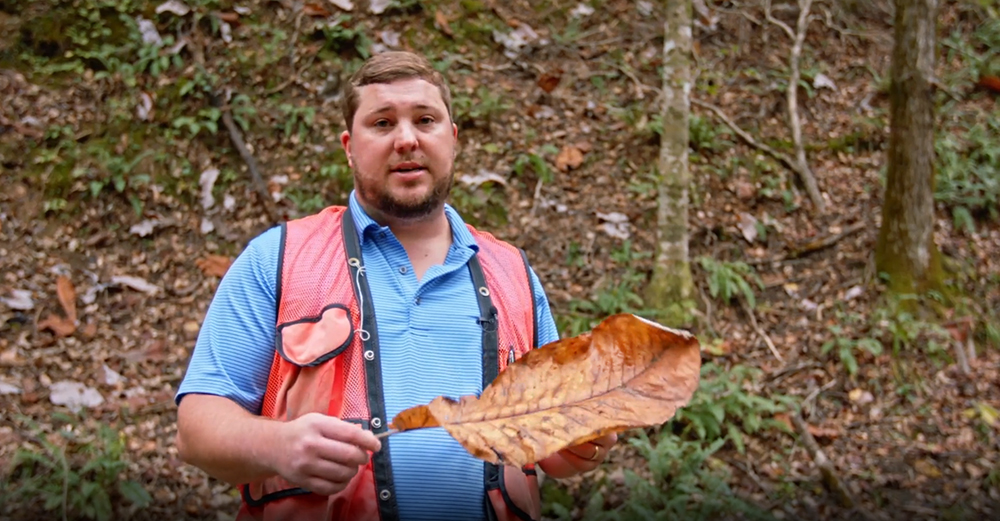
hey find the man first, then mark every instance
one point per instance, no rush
(328, 326)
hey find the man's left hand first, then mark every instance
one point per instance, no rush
(578, 458)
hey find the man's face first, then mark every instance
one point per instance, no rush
(401, 148)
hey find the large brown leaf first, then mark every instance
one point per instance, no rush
(628, 372)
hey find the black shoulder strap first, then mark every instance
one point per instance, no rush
(388, 509)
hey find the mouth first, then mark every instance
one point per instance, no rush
(407, 168)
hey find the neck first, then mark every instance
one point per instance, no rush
(426, 240)
(428, 227)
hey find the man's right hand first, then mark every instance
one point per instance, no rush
(322, 453)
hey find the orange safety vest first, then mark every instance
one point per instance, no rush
(325, 361)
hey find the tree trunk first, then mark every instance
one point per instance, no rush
(905, 250)
(671, 287)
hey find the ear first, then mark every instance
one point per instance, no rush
(454, 131)
(345, 141)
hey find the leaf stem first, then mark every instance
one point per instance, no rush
(386, 433)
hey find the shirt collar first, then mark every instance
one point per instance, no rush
(460, 234)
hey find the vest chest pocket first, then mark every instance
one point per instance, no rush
(310, 341)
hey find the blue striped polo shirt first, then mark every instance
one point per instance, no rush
(430, 345)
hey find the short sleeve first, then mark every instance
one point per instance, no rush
(235, 347)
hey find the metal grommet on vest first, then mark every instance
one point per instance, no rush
(384, 494)
(376, 422)
(369, 355)
(484, 291)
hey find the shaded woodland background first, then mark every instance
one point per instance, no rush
(143, 144)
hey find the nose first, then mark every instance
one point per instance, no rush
(406, 138)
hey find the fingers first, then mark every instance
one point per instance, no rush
(339, 452)
(588, 452)
(607, 441)
(326, 477)
(333, 428)
(351, 433)
(322, 454)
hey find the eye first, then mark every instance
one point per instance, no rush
(426, 120)
(382, 123)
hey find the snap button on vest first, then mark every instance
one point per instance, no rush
(376, 422)
(369, 355)
(384, 494)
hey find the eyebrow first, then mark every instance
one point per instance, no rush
(389, 108)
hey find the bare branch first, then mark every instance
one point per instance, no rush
(217, 101)
(830, 478)
(775, 21)
(798, 38)
(291, 55)
(760, 332)
(781, 158)
(237, 138)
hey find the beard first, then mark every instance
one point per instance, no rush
(376, 194)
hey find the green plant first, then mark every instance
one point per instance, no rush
(645, 183)
(483, 205)
(115, 170)
(726, 407)
(305, 200)
(706, 136)
(77, 471)
(846, 346)
(344, 35)
(968, 146)
(296, 120)
(967, 159)
(684, 481)
(536, 163)
(905, 330)
(642, 120)
(205, 119)
(617, 294)
(480, 108)
(730, 279)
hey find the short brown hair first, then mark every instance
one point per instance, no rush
(388, 67)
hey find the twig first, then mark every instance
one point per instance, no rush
(962, 356)
(811, 397)
(241, 147)
(386, 433)
(826, 242)
(788, 371)
(65, 491)
(827, 19)
(780, 157)
(747, 469)
(825, 467)
(234, 135)
(534, 199)
(813, 246)
(291, 56)
(798, 38)
(638, 84)
(760, 332)
(708, 309)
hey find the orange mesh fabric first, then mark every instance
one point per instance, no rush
(510, 290)
(314, 274)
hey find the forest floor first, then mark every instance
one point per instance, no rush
(113, 238)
